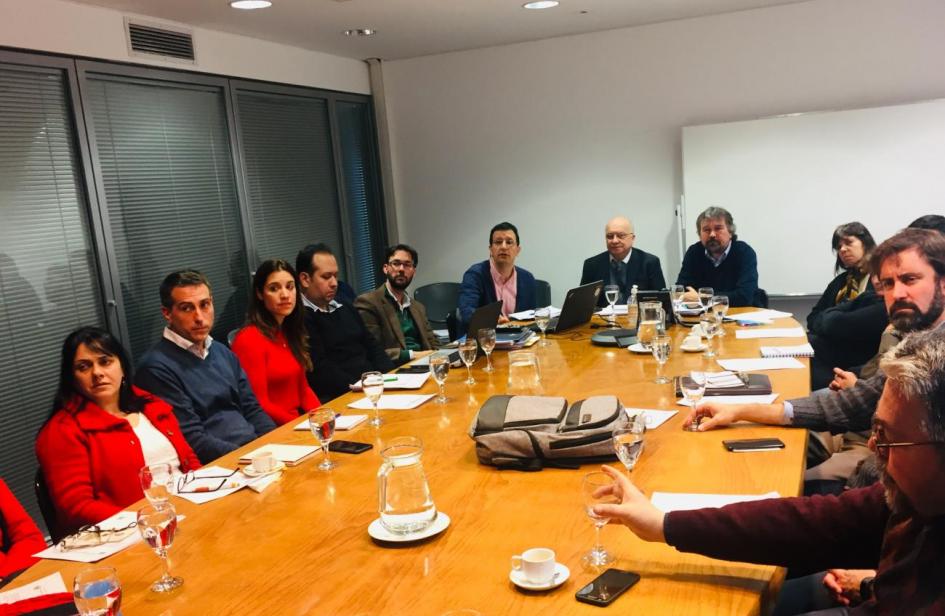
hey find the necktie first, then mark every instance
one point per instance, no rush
(618, 277)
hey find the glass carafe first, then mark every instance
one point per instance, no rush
(404, 500)
(651, 317)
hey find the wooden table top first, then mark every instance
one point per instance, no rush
(302, 546)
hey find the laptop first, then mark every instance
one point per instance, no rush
(485, 317)
(578, 308)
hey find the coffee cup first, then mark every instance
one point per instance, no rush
(264, 462)
(537, 565)
(692, 342)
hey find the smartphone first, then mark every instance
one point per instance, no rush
(349, 446)
(607, 586)
(423, 369)
(753, 444)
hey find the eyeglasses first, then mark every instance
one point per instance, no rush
(398, 264)
(503, 242)
(184, 483)
(879, 444)
(619, 236)
(92, 535)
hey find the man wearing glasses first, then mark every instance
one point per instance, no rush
(398, 323)
(498, 278)
(897, 525)
(622, 264)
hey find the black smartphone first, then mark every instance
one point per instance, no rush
(349, 446)
(607, 586)
(753, 444)
(414, 369)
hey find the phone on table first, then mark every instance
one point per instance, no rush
(607, 586)
(349, 446)
(753, 444)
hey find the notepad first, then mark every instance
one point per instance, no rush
(399, 381)
(758, 316)
(771, 332)
(49, 585)
(342, 422)
(95, 553)
(765, 363)
(393, 402)
(762, 399)
(800, 350)
(290, 454)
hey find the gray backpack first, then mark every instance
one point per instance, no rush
(530, 432)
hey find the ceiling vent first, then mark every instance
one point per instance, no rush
(151, 40)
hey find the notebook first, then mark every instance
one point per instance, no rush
(290, 454)
(757, 385)
(800, 350)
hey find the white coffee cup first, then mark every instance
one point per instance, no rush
(264, 462)
(537, 565)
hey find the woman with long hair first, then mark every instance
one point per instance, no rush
(273, 346)
(102, 430)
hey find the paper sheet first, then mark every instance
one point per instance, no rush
(759, 315)
(765, 399)
(529, 315)
(618, 309)
(652, 418)
(799, 350)
(721, 380)
(49, 585)
(342, 422)
(95, 553)
(770, 332)
(763, 363)
(393, 402)
(399, 381)
(677, 501)
(290, 454)
(212, 475)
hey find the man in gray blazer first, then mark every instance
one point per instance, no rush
(396, 321)
(622, 264)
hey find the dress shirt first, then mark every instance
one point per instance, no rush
(188, 345)
(718, 262)
(332, 305)
(505, 290)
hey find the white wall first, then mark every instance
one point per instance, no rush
(559, 135)
(82, 30)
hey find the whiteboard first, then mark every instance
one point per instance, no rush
(790, 180)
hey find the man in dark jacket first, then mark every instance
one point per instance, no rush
(622, 264)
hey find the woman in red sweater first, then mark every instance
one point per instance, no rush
(20, 538)
(273, 347)
(102, 431)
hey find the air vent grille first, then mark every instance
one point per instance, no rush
(161, 41)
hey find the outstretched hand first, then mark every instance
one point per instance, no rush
(842, 380)
(634, 511)
(711, 415)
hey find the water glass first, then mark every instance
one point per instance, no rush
(693, 388)
(710, 329)
(372, 384)
(322, 424)
(542, 319)
(468, 349)
(705, 297)
(628, 440)
(157, 481)
(439, 368)
(590, 486)
(719, 310)
(611, 294)
(661, 348)
(676, 293)
(157, 526)
(524, 372)
(97, 592)
(486, 337)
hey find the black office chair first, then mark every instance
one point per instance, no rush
(761, 298)
(542, 293)
(440, 299)
(46, 507)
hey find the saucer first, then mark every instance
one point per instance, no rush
(249, 471)
(638, 348)
(560, 577)
(377, 530)
(693, 349)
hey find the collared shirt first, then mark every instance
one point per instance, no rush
(718, 262)
(332, 305)
(188, 345)
(506, 290)
(625, 260)
(390, 294)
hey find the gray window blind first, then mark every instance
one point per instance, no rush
(48, 284)
(290, 181)
(360, 182)
(170, 192)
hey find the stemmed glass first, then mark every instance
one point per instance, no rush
(542, 319)
(719, 309)
(693, 388)
(611, 294)
(322, 424)
(486, 337)
(467, 352)
(590, 486)
(157, 526)
(676, 293)
(628, 440)
(710, 328)
(661, 347)
(97, 592)
(157, 481)
(705, 297)
(439, 368)
(372, 384)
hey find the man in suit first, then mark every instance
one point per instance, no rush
(398, 323)
(497, 278)
(623, 265)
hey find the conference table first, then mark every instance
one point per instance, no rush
(302, 545)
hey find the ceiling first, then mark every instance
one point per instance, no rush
(410, 28)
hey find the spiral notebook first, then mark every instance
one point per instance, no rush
(800, 350)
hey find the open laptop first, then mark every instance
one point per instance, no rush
(579, 305)
(485, 317)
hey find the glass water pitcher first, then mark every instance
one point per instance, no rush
(404, 500)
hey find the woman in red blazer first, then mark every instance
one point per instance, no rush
(20, 538)
(102, 431)
(273, 347)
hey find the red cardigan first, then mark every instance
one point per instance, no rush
(20, 538)
(275, 374)
(91, 459)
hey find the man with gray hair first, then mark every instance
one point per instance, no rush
(721, 261)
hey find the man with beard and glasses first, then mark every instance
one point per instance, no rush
(721, 261)
(398, 323)
(897, 526)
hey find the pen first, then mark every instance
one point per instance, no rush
(750, 324)
(388, 379)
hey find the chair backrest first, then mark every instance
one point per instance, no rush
(542, 293)
(761, 298)
(440, 299)
(231, 336)
(46, 506)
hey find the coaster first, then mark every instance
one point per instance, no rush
(560, 577)
(377, 530)
(638, 348)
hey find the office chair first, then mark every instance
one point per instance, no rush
(542, 293)
(440, 299)
(46, 507)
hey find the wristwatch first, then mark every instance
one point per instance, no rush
(866, 589)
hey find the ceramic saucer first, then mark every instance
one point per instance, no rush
(377, 530)
(693, 348)
(638, 348)
(249, 471)
(560, 577)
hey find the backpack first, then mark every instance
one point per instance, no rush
(530, 432)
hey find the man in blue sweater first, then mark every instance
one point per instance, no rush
(721, 261)
(202, 381)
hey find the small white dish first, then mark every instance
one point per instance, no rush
(694, 348)
(638, 348)
(249, 471)
(561, 575)
(377, 530)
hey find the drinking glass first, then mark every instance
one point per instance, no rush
(439, 368)
(157, 481)
(97, 592)
(628, 440)
(322, 424)
(611, 294)
(710, 329)
(157, 526)
(705, 297)
(651, 316)
(372, 384)
(590, 485)
(542, 319)
(676, 293)
(693, 388)
(486, 337)
(719, 309)
(524, 372)
(661, 347)
(468, 349)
